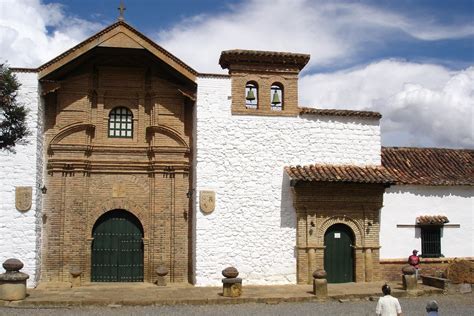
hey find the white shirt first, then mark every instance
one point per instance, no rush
(388, 306)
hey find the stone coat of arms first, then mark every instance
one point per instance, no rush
(23, 198)
(207, 201)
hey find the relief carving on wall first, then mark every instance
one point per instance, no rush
(207, 201)
(23, 198)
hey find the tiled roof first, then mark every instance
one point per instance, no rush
(212, 75)
(19, 69)
(334, 173)
(429, 166)
(258, 56)
(432, 220)
(108, 29)
(332, 112)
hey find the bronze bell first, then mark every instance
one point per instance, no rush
(276, 98)
(250, 95)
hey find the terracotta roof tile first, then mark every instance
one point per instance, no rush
(19, 69)
(429, 166)
(257, 56)
(339, 173)
(432, 220)
(334, 112)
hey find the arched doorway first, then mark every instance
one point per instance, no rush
(339, 254)
(117, 248)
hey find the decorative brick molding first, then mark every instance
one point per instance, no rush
(355, 226)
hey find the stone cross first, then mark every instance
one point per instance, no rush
(121, 9)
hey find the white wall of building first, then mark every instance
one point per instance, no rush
(20, 231)
(403, 204)
(241, 158)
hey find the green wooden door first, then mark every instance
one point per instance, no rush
(338, 254)
(117, 249)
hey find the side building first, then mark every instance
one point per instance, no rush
(430, 208)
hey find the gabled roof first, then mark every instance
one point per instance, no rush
(339, 173)
(429, 166)
(122, 35)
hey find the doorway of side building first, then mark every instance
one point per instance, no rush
(339, 254)
(117, 248)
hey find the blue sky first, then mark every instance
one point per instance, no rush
(150, 16)
(413, 61)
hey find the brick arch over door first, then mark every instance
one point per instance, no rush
(353, 224)
(96, 211)
(118, 204)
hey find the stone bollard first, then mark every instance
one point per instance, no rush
(320, 284)
(13, 282)
(161, 271)
(409, 278)
(232, 285)
(76, 276)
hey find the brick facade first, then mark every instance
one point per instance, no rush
(90, 173)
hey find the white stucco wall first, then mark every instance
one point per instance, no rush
(403, 204)
(19, 231)
(241, 158)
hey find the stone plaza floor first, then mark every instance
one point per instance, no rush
(141, 294)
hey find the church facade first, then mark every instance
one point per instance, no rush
(136, 162)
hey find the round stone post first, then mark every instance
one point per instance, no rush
(232, 285)
(161, 271)
(409, 278)
(13, 282)
(320, 284)
(76, 276)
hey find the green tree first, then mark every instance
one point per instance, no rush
(13, 127)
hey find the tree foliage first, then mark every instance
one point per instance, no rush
(13, 127)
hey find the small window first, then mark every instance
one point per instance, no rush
(121, 123)
(276, 97)
(431, 241)
(251, 95)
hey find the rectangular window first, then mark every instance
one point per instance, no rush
(431, 241)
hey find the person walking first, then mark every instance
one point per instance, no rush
(387, 304)
(432, 308)
(414, 261)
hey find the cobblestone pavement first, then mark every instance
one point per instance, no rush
(458, 305)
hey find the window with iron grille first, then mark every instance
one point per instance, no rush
(121, 123)
(431, 241)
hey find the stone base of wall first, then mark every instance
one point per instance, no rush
(391, 269)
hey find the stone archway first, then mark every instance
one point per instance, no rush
(321, 205)
(345, 220)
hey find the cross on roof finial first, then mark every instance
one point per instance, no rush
(121, 8)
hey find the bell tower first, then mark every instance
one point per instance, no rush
(263, 82)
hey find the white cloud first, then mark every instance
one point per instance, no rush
(421, 104)
(332, 32)
(25, 40)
